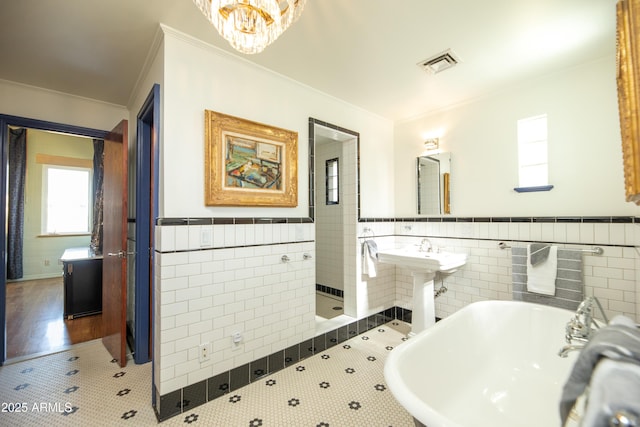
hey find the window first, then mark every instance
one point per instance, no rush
(532, 152)
(332, 186)
(66, 200)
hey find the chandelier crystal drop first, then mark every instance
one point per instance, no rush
(251, 25)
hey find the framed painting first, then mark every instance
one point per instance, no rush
(628, 82)
(249, 163)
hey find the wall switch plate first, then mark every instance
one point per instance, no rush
(206, 237)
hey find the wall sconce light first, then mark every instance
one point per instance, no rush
(432, 144)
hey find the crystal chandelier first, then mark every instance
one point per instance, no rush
(251, 25)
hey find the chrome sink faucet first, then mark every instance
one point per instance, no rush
(582, 326)
(424, 244)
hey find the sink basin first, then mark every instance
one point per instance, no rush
(417, 260)
(424, 266)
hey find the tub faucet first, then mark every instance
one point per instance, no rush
(425, 246)
(564, 351)
(582, 326)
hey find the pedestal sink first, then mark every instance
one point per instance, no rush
(423, 266)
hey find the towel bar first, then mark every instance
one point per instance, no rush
(367, 233)
(597, 250)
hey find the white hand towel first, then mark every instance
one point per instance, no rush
(541, 278)
(369, 257)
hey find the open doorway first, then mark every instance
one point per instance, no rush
(141, 236)
(335, 190)
(50, 214)
(141, 309)
(139, 254)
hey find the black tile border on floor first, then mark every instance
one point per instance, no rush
(187, 398)
(329, 290)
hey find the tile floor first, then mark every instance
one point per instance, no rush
(328, 306)
(342, 386)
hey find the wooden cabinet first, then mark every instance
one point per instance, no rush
(82, 282)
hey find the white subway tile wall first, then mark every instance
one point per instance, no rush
(237, 282)
(214, 280)
(611, 277)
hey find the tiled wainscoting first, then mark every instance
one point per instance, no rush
(215, 277)
(611, 277)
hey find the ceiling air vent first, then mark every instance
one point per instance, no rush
(439, 62)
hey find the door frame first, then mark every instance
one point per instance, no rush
(5, 122)
(146, 212)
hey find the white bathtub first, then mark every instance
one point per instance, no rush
(492, 363)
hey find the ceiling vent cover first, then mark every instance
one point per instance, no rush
(439, 62)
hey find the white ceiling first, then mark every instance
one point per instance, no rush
(361, 51)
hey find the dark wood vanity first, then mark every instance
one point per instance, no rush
(82, 270)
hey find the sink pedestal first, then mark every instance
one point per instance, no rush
(423, 266)
(423, 314)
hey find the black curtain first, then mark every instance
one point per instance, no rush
(15, 221)
(98, 190)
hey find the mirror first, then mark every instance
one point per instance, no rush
(434, 173)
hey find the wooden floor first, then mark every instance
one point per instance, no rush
(35, 323)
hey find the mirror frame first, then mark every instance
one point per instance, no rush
(444, 207)
(628, 82)
(312, 147)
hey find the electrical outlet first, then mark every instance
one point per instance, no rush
(47, 262)
(204, 352)
(236, 340)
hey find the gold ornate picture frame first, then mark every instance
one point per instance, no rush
(628, 81)
(249, 163)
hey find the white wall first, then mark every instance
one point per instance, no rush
(152, 73)
(585, 159)
(238, 281)
(199, 77)
(585, 166)
(43, 104)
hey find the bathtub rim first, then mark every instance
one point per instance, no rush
(422, 411)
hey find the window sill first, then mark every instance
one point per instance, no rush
(64, 235)
(533, 189)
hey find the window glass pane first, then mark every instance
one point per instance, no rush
(533, 176)
(532, 129)
(332, 182)
(67, 200)
(533, 151)
(333, 195)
